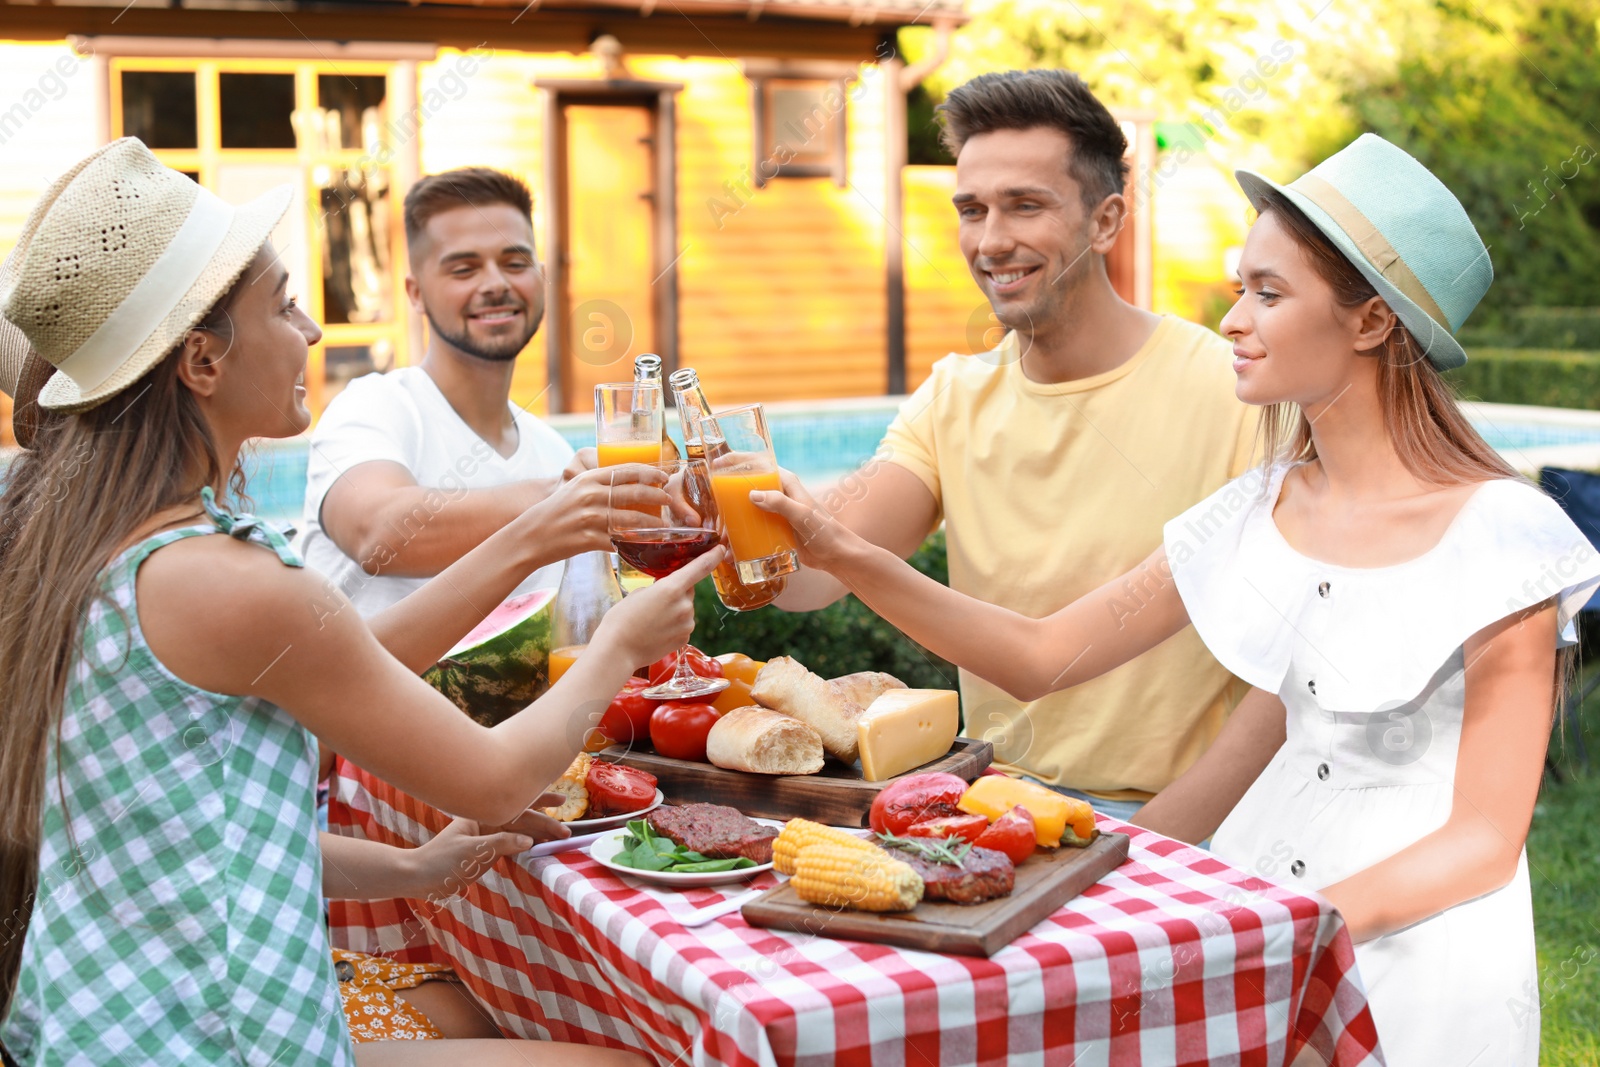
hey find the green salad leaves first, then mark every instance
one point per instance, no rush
(645, 850)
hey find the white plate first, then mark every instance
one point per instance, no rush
(589, 826)
(605, 849)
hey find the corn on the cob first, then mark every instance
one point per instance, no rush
(798, 833)
(839, 876)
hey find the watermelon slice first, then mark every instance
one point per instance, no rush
(502, 666)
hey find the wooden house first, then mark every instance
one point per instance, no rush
(719, 181)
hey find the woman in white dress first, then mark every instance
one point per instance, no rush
(1392, 591)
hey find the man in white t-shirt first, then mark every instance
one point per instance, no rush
(412, 469)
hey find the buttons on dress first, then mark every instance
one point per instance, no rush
(1297, 868)
(1322, 771)
(1323, 590)
(1312, 685)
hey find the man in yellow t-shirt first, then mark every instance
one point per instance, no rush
(1055, 459)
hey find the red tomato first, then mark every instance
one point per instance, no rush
(618, 790)
(678, 729)
(699, 664)
(914, 798)
(966, 827)
(1012, 833)
(627, 719)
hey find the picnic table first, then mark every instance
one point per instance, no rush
(1174, 958)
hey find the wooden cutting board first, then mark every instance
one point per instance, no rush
(1044, 883)
(836, 795)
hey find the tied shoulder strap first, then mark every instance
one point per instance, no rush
(247, 527)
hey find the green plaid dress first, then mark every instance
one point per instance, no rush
(178, 917)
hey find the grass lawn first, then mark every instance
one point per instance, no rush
(1564, 862)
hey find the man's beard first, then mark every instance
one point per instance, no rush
(501, 352)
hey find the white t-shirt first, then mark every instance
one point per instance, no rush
(403, 418)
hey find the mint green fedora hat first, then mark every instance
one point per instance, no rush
(1405, 232)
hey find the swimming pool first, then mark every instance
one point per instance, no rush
(821, 441)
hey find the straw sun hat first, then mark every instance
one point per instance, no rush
(118, 260)
(1402, 229)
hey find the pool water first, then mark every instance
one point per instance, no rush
(818, 445)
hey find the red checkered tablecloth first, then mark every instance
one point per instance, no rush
(1174, 958)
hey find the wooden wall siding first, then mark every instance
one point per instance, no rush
(782, 291)
(494, 117)
(941, 297)
(781, 288)
(48, 121)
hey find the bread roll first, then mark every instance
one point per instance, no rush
(831, 708)
(763, 741)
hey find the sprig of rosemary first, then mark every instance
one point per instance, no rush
(950, 850)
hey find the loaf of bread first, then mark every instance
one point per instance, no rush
(831, 708)
(763, 741)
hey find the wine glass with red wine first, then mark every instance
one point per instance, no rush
(659, 540)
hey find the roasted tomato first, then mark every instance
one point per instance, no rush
(627, 719)
(966, 827)
(699, 663)
(913, 799)
(738, 667)
(1012, 833)
(737, 695)
(618, 790)
(678, 729)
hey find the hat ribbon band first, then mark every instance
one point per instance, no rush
(155, 296)
(1374, 245)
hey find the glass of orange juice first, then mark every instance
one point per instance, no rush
(629, 418)
(562, 659)
(762, 543)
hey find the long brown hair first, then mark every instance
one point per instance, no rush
(89, 483)
(1420, 409)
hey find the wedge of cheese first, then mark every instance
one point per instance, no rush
(905, 728)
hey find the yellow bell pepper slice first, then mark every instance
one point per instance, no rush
(992, 795)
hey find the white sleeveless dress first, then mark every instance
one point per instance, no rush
(1368, 662)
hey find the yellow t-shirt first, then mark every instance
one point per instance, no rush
(1049, 491)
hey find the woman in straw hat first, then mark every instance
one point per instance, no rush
(158, 737)
(1391, 589)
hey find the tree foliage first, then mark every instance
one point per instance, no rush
(1501, 99)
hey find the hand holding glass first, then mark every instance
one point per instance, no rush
(763, 544)
(659, 540)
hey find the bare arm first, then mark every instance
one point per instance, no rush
(1193, 806)
(265, 638)
(354, 869)
(1026, 657)
(1504, 732)
(883, 503)
(423, 626)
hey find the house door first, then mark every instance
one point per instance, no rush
(610, 255)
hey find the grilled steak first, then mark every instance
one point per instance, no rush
(983, 875)
(716, 831)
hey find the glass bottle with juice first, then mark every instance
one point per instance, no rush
(588, 590)
(702, 440)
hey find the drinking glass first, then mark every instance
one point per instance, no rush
(629, 419)
(658, 540)
(763, 543)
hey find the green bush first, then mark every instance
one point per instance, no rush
(842, 638)
(1576, 329)
(1546, 377)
